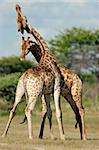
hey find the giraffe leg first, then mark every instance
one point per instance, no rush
(42, 126)
(69, 99)
(19, 94)
(82, 113)
(46, 111)
(49, 114)
(58, 107)
(28, 113)
(25, 118)
(44, 114)
(76, 91)
(59, 119)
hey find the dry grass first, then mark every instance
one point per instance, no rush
(17, 138)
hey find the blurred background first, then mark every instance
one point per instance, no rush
(71, 29)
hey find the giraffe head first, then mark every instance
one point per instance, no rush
(22, 20)
(30, 46)
(24, 47)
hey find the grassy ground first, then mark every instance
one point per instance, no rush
(17, 138)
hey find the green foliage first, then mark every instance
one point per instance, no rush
(63, 44)
(8, 86)
(13, 64)
(11, 69)
(91, 79)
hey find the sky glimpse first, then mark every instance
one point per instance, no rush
(48, 16)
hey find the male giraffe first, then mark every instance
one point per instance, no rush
(32, 83)
(47, 64)
(71, 85)
(73, 82)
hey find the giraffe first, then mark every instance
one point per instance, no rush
(71, 85)
(72, 80)
(32, 84)
(47, 62)
(49, 66)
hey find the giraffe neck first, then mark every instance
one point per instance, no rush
(41, 58)
(36, 52)
(41, 42)
(46, 60)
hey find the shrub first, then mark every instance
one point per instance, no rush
(8, 85)
(13, 64)
(91, 79)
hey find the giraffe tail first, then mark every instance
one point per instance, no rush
(24, 120)
(76, 125)
(78, 119)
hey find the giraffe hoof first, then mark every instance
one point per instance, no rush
(3, 135)
(52, 137)
(40, 137)
(31, 138)
(63, 137)
(84, 139)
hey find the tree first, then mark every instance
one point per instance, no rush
(71, 39)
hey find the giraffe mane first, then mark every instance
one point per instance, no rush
(36, 51)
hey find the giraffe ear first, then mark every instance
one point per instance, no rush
(28, 38)
(22, 37)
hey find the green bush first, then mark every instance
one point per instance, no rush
(8, 85)
(91, 79)
(11, 68)
(13, 64)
